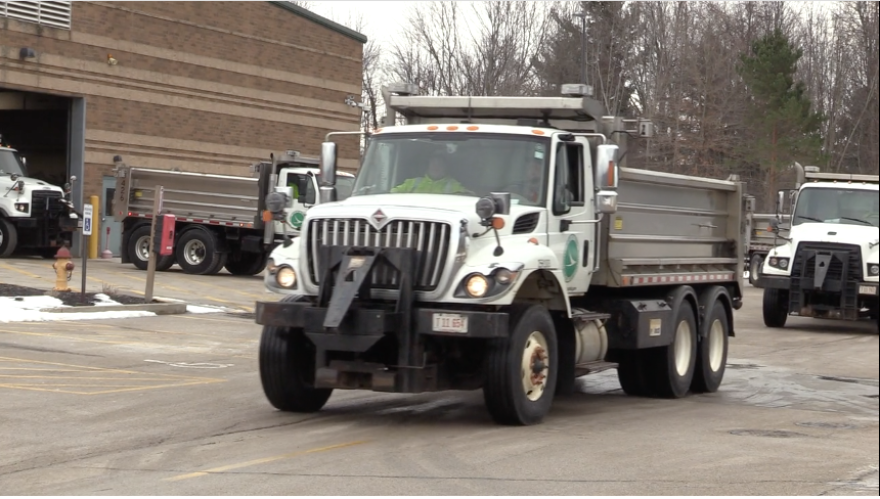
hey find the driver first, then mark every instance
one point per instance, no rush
(435, 181)
(534, 183)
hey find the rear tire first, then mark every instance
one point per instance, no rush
(632, 373)
(139, 251)
(712, 352)
(198, 252)
(287, 370)
(8, 238)
(673, 366)
(775, 307)
(521, 370)
(247, 263)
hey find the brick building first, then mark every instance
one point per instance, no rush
(201, 86)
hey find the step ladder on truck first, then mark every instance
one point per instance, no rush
(500, 243)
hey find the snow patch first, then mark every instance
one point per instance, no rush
(199, 309)
(28, 309)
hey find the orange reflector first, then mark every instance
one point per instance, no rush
(538, 132)
(497, 223)
(452, 128)
(533, 241)
(611, 173)
(267, 216)
(472, 128)
(433, 127)
(377, 130)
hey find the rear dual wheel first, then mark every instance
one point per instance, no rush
(198, 252)
(139, 251)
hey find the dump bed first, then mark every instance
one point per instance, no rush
(762, 238)
(196, 197)
(673, 229)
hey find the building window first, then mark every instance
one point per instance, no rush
(51, 14)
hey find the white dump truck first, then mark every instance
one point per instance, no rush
(495, 243)
(35, 217)
(219, 221)
(828, 265)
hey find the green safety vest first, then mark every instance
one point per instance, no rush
(429, 186)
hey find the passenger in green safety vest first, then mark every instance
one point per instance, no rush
(435, 181)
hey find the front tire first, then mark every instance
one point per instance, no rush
(755, 265)
(712, 352)
(287, 370)
(8, 238)
(521, 370)
(775, 307)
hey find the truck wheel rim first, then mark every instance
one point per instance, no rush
(535, 366)
(683, 348)
(142, 248)
(716, 346)
(194, 252)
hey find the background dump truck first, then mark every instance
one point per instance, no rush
(828, 265)
(219, 217)
(762, 240)
(35, 217)
(541, 262)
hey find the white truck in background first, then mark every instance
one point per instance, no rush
(763, 239)
(536, 260)
(828, 266)
(219, 218)
(35, 217)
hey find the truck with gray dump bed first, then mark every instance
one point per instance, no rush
(219, 218)
(479, 283)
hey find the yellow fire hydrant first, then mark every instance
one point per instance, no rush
(63, 269)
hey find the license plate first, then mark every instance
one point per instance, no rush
(450, 323)
(867, 290)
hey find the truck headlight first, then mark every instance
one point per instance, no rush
(477, 285)
(873, 269)
(778, 263)
(22, 207)
(286, 277)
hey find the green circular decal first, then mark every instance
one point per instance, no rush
(296, 219)
(570, 259)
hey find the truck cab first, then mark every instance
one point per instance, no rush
(34, 216)
(299, 178)
(828, 265)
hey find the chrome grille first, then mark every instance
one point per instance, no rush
(430, 239)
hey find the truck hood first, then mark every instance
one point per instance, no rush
(29, 182)
(834, 233)
(439, 207)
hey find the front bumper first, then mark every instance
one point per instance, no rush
(783, 282)
(362, 327)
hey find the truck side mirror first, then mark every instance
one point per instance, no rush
(774, 225)
(606, 167)
(328, 172)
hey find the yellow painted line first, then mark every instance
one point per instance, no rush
(93, 368)
(23, 272)
(120, 390)
(80, 338)
(229, 467)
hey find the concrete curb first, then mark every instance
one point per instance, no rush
(156, 308)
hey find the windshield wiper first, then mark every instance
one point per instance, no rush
(859, 220)
(811, 219)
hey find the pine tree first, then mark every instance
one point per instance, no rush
(784, 127)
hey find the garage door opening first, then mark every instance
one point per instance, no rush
(38, 126)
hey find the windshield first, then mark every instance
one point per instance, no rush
(838, 206)
(456, 164)
(344, 186)
(10, 163)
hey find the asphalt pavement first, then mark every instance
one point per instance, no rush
(172, 405)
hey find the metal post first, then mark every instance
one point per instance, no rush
(151, 265)
(83, 241)
(584, 46)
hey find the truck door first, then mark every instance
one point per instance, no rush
(296, 212)
(570, 234)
